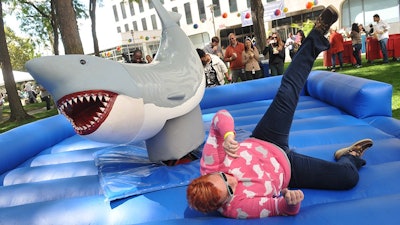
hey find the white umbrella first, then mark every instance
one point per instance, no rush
(18, 76)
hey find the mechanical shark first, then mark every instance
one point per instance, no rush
(113, 102)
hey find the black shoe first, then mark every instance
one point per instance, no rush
(325, 20)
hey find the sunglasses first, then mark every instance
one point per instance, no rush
(228, 187)
(274, 37)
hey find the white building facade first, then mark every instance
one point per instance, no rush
(140, 26)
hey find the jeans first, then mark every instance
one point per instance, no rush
(274, 126)
(340, 56)
(383, 44)
(356, 53)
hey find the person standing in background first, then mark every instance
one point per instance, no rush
(45, 97)
(381, 31)
(289, 44)
(337, 48)
(137, 56)
(300, 36)
(214, 48)
(276, 49)
(250, 59)
(233, 55)
(356, 43)
(363, 34)
(214, 69)
(29, 90)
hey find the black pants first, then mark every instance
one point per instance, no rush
(274, 126)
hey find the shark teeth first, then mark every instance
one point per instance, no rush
(87, 110)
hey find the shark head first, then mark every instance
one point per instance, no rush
(119, 103)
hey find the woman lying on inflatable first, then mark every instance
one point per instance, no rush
(251, 179)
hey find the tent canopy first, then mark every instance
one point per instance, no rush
(18, 76)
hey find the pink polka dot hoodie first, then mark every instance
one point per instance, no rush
(262, 170)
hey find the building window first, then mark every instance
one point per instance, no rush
(131, 8)
(202, 9)
(122, 4)
(144, 25)
(115, 13)
(362, 11)
(126, 27)
(118, 29)
(141, 8)
(154, 22)
(134, 25)
(233, 6)
(175, 9)
(217, 8)
(188, 13)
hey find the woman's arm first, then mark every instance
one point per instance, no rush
(256, 207)
(222, 127)
(245, 57)
(256, 53)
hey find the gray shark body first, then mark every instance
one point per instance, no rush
(120, 103)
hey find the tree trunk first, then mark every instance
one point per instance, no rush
(54, 25)
(66, 18)
(17, 111)
(92, 13)
(257, 15)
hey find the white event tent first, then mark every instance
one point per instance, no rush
(18, 76)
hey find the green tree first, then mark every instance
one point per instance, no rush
(20, 49)
(39, 19)
(17, 111)
(66, 17)
(92, 14)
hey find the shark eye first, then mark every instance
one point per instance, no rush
(83, 62)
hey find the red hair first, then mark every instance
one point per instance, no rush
(203, 196)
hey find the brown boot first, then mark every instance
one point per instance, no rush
(357, 149)
(325, 20)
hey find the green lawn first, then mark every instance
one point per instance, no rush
(388, 73)
(37, 110)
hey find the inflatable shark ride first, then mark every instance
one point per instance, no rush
(122, 103)
(98, 162)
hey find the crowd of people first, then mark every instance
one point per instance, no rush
(243, 59)
(244, 63)
(30, 93)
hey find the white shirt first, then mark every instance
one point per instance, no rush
(219, 67)
(289, 43)
(382, 26)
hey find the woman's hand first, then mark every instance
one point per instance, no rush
(292, 197)
(231, 146)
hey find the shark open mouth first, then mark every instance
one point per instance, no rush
(87, 110)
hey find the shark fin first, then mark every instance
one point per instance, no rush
(175, 16)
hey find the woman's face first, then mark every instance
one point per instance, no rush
(220, 181)
(248, 43)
